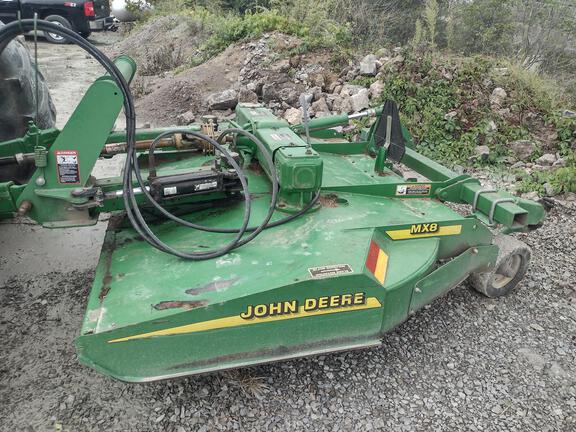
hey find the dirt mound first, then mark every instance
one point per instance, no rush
(162, 44)
(165, 98)
(259, 70)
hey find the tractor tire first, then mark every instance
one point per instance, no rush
(511, 266)
(61, 21)
(18, 96)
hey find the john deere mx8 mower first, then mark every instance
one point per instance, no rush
(233, 243)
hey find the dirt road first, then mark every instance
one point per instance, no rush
(464, 363)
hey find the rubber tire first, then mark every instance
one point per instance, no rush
(57, 19)
(17, 101)
(508, 246)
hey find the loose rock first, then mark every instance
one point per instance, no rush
(369, 65)
(483, 152)
(293, 115)
(246, 95)
(498, 96)
(547, 159)
(228, 99)
(360, 100)
(376, 89)
(351, 90)
(522, 149)
(185, 118)
(270, 92)
(320, 106)
(341, 105)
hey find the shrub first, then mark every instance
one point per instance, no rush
(444, 102)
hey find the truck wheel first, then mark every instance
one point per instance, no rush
(511, 266)
(17, 101)
(61, 21)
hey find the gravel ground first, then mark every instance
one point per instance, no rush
(463, 363)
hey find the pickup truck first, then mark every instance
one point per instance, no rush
(82, 16)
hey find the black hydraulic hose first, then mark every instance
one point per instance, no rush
(194, 255)
(131, 167)
(275, 186)
(8, 160)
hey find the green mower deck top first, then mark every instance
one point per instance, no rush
(375, 246)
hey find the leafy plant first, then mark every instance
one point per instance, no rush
(562, 180)
(364, 81)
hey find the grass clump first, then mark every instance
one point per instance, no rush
(562, 180)
(445, 103)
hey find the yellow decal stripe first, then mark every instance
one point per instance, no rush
(442, 231)
(236, 321)
(381, 266)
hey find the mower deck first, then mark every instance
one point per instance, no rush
(334, 279)
(362, 250)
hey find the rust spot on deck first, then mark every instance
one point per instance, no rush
(329, 200)
(107, 279)
(105, 287)
(335, 140)
(176, 304)
(213, 286)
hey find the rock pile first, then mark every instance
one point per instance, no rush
(278, 82)
(270, 71)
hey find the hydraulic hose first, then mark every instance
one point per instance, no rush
(163, 246)
(275, 186)
(132, 169)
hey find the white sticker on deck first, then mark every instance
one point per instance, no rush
(330, 271)
(413, 189)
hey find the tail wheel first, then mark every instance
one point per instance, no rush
(60, 21)
(510, 268)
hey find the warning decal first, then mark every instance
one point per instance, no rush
(330, 270)
(68, 168)
(413, 189)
